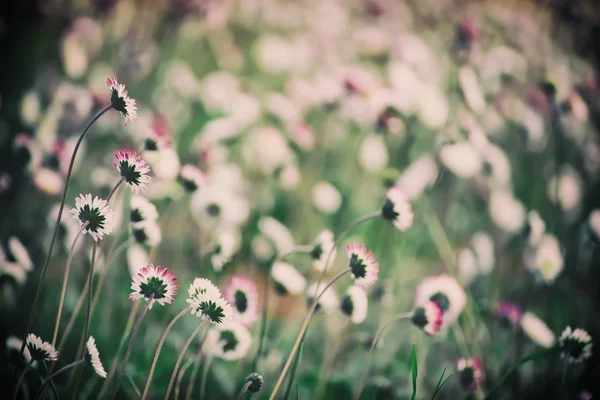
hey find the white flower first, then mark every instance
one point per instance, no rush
(229, 343)
(14, 343)
(326, 198)
(537, 330)
(363, 265)
(483, 247)
(428, 317)
(267, 150)
(48, 181)
(373, 154)
(355, 304)
(433, 107)
(17, 253)
(30, 108)
(99, 217)
(462, 159)
(156, 285)
(142, 209)
(576, 345)
(92, 357)
(40, 350)
(397, 209)
(568, 187)
(446, 292)
(147, 232)
(192, 178)
(507, 212)
(420, 174)
(218, 206)
(165, 162)
(548, 261)
(287, 279)
(535, 228)
(278, 234)
(224, 249)
(471, 90)
(328, 302)
(495, 171)
(120, 100)
(132, 169)
(242, 294)
(137, 258)
(323, 246)
(594, 224)
(407, 84)
(467, 266)
(207, 303)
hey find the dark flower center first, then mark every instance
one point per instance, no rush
(241, 301)
(317, 252)
(93, 217)
(188, 184)
(136, 215)
(129, 172)
(118, 103)
(280, 289)
(442, 301)
(150, 144)
(153, 286)
(359, 269)
(211, 310)
(229, 339)
(387, 211)
(310, 301)
(573, 347)
(38, 354)
(140, 235)
(88, 358)
(419, 318)
(213, 210)
(347, 305)
(467, 378)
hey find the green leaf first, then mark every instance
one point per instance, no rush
(415, 370)
(440, 384)
(532, 357)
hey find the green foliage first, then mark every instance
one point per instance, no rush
(415, 370)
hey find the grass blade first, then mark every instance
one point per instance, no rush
(415, 370)
(293, 372)
(441, 384)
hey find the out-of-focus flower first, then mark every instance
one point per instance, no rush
(137, 258)
(100, 218)
(165, 162)
(48, 181)
(324, 244)
(92, 357)
(506, 211)
(120, 100)
(418, 176)
(432, 107)
(30, 108)
(373, 154)
(40, 350)
(509, 312)
(16, 253)
(576, 345)
(565, 189)
(257, 382)
(471, 90)
(407, 84)
(147, 232)
(363, 265)
(216, 205)
(537, 330)
(29, 150)
(462, 159)
(483, 247)
(535, 227)
(397, 209)
(230, 343)
(156, 285)
(326, 198)
(278, 234)
(287, 279)
(266, 149)
(585, 395)
(428, 317)
(466, 34)
(446, 292)
(132, 169)
(328, 302)
(224, 249)
(242, 294)
(142, 209)
(546, 259)
(470, 373)
(355, 304)
(207, 303)
(192, 178)
(594, 225)
(13, 343)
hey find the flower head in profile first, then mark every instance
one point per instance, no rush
(147, 232)
(142, 209)
(576, 345)
(470, 373)
(328, 302)
(509, 312)
(397, 209)
(223, 250)
(192, 178)
(40, 350)
(446, 292)
(92, 357)
(207, 303)
(355, 304)
(120, 100)
(537, 330)
(364, 268)
(231, 342)
(96, 213)
(324, 244)
(428, 317)
(154, 285)
(133, 169)
(287, 279)
(241, 293)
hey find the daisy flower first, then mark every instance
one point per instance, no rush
(154, 285)
(446, 292)
(223, 250)
(470, 373)
(355, 304)
(364, 268)
(287, 279)
(147, 232)
(229, 343)
(548, 261)
(241, 293)
(509, 312)
(537, 330)
(120, 100)
(397, 209)
(99, 216)
(40, 350)
(279, 234)
(133, 169)
(16, 253)
(257, 382)
(192, 178)
(217, 205)
(92, 357)
(576, 345)
(324, 244)
(534, 228)
(208, 304)
(429, 317)
(142, 209)
(328, 302)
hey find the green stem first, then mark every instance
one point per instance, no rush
(38, 292)
(159, 348)
(242, 394)
(205, 370)
(180, 376)
(60, 371)
(21, 377)
(178, 363)
(130, 345)
(300, 336)
(378, 335)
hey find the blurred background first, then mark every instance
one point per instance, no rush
(302, 114)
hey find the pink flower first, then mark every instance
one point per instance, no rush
(133, 169)
(154, 284)
(120, 100)
(363, 265)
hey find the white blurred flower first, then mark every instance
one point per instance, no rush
(462, 159)
(74, 56)
(328, 302)
(30, 108)
(14, 343)
(180, 76)
(267, 150)
(323, 252)
(355, 304)
(446, 292)
(536, 129)
(420, 174)
(371, 40)
(467, 266)
(328, 17)
(147, 232)
(535, 228)
(137, 257)
(507, 212)
(413, 50)
(373, 154)
(407, 85)
(495, 169)
(164, 162)
(273, 53)
(289, 177)
(326, 198)
(547, 261)
(566, 189)
(278, 234)
(287, 279)
(16, 253)
(500, 61)
(227, 244)
(48, 181)
(216, 205)
(230, 343)
(217, 89)
(483, 246)
(471, 90)
(537, 330)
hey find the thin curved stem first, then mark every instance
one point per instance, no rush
(38, 292)
(190, 388)
(178, 363)
(114, 189)
(60, 371)
(205, 370)
(159, 348)
(242, 393)
(378, 336)
(300, 336)
(21, 377)
(136, 328)
(65, 281)
(180, 376)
